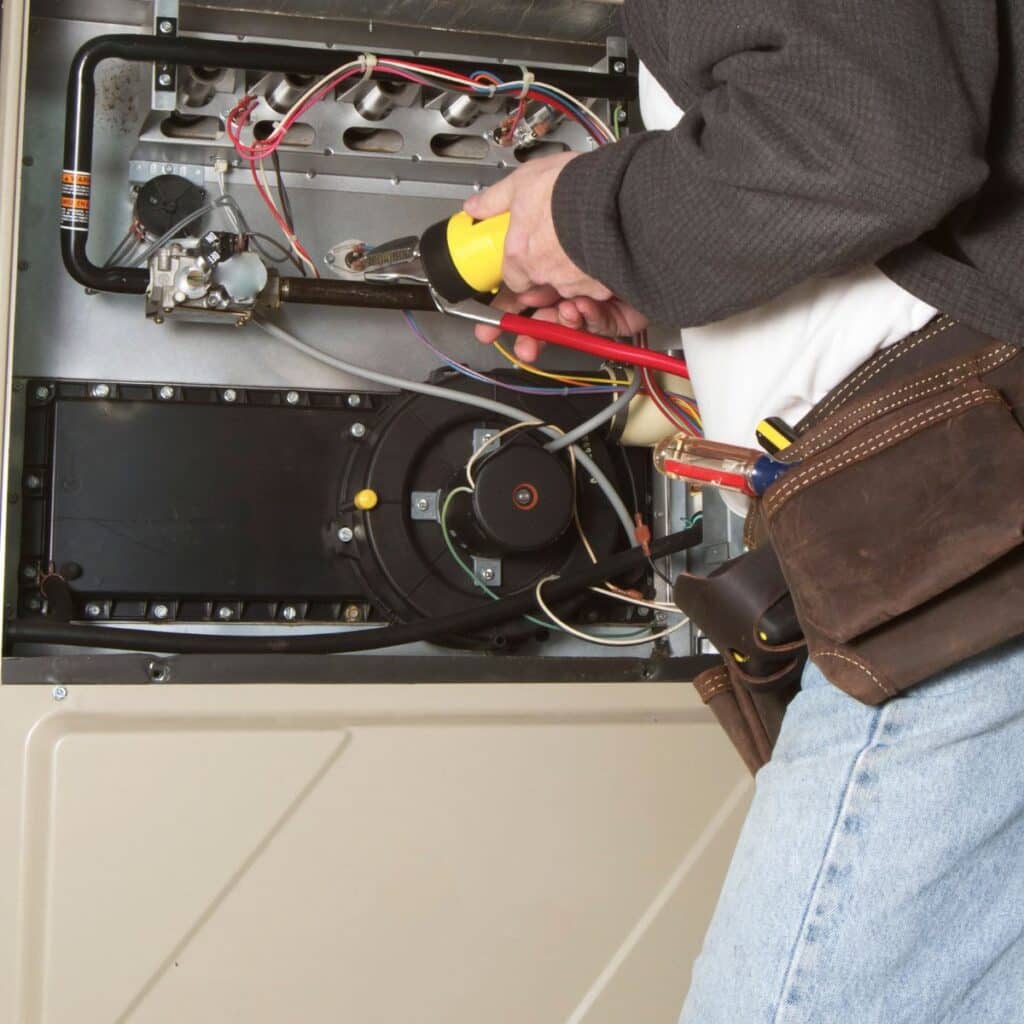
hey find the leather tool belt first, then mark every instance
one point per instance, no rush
(896, 544)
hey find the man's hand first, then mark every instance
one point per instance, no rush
(538, 273)
(610, 318)
(533, 254)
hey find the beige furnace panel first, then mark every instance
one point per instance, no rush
(358, 853)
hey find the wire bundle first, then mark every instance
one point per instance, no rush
(369, 65)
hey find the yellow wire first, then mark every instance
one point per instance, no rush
(556, 376)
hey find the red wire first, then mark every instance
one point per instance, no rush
(593, 344)
(282, 223)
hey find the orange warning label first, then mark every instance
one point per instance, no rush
(75, 189)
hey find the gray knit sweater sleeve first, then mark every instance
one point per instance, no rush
(819, 135)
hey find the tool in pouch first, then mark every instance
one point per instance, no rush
(460, 261)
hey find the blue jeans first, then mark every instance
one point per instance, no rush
(879, 878)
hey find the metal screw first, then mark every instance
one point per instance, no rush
(158, 320)
(100, 391)
(345, 535)
(292, 398)
(60, 692)
(619, 66)
(224, 612)
(310, 174)
(35, 604)
(164, 80)
(30, 572)
(158, 672)
(229, 394)
(396, 180)
(620, 114)
(357, 430)
(166, 392)
(422, 504)
(168, 168)
(180, 297)
(523, 496)
(354, 401)
(42, 393)
(352, 613)
(166, 27)
(93, 611)
(32, 482)
(487, 575)
(329, 259)
(28, 161)
(161, 611)
(288, 613)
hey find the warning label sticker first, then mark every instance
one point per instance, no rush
(75, 188)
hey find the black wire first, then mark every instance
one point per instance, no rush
(286, 203)
(636, 508)
(494, 613)
(259, 240)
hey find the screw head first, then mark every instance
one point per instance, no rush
(354, 401)
(310, 174)
(32, 482)
(229, 395)
(30, 572)
(161, 611)
(166, 28)
(357, 430)
(352, 613)
(523, 496)
(289, 613)
(100, 391)
(345, 535)
(292, 398)
(620, 114)
(422, 504)
(42, 393)
(619, 66)
(225, 612)
(166, 393)
(164, 79)
(93, 610)
(487, 575)
(60, 692)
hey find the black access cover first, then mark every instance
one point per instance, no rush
(179, 499)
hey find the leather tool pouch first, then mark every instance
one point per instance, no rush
(901, 531)
(744, 608)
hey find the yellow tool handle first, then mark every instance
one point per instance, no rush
(477, 248)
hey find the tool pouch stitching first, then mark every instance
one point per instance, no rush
(877, 588)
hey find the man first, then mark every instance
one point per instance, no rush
(844, 170)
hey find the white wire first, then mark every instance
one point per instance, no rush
(660, 606)
(231, 213)
(604, 641)
(491, 442)
(465, 398)
(289, 235)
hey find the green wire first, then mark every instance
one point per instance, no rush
(615, 122)
(468, 570)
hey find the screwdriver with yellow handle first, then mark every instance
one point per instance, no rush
(461, 260)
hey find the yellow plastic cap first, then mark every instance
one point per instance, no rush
(365, 500)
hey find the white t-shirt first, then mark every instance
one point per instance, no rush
(782, 358)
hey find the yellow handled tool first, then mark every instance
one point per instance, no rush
(462, 257)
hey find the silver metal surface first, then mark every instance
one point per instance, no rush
(425, 505)
(487, 570)
(64, 333)
(60, 692)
